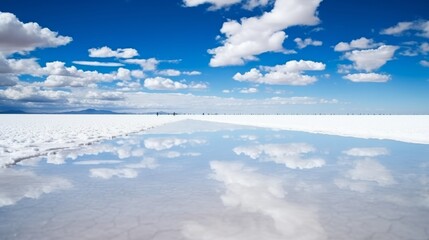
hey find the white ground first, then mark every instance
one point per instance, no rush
(23, 136)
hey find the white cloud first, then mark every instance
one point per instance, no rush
(257, 35)
(420, 26)
(361, 43)
(424, 48)
(371, 59)
(24, 37)
(366, 152)
(7, 80)
(424, 63)
(198, 104)
(249, 90)
(344, 68)
(367, 77)
(33, 94)
(217, 4)
(61, 76)
(137, 74)
(19, 184)
(398, 28)
(160, 83)
(98, 64)
(108, 96)
(247, 191)
(291, 155)
(149, 64)
(58, 75)
(20, 66)
(307, 42)
(170, 72)
(191, 73)
(106, 52)
(290, 73)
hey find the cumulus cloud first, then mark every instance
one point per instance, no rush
(32, 94)
(98, 64)
(160, 83)
(175, 73)
(256, 35)
(149, 64)
(19, 66)
(307, 42)
(424, 63)
(291, 155)
(366, 152)
(290, 73)
(170, 72)
(421, 27)
(217, 4)
(191, 73)
(371, 59)
(249, 90)
(24, 37)
(61, 76)
(361, 43)
(7, 80)
(367, 77)
(106, 52)
(424, 48)
(108, 96)
(247, 191)
(19, 184)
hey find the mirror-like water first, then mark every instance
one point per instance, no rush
(198, 180)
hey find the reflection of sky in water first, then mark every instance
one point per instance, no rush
(194, 180)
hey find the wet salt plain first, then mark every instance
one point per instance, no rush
(199, 180)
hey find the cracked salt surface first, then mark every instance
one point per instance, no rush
(198, 180)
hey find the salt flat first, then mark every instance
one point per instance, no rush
(404, 128)
(23, 136)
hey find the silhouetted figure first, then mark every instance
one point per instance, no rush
(157, 113)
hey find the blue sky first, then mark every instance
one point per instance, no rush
(225, 56)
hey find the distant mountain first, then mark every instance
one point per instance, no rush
(90, 111)
(13, 112)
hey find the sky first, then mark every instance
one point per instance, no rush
(216, 56)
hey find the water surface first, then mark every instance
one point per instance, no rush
(199, 180)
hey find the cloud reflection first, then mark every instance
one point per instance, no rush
(128, 171)
(165, 143)
(19, 184)
(263, 212)
(291, 155)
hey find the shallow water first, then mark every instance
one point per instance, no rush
(198, 180)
